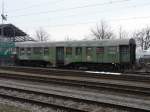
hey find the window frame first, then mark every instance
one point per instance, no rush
(89, 52)
(28, 52)
(100, 50)
(37, 50)
(78, 51)
(124, 50)
(112, 49)
(22, 51)
(69, 52)
(46, 51)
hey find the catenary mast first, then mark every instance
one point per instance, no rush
(4, 17)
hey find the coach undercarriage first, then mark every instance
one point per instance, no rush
(77, 65)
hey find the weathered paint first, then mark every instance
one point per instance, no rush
(106, 57)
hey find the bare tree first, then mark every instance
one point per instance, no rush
(68, 38)
(122, 33)
(41, 35)
(143, 38)
(102, 31)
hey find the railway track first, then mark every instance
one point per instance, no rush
(125, 87)
(138, 91)
(59, 72)
(41, 103)
(65, 98)
(139, 73)
(130, 87)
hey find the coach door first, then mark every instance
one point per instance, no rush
(124, 54)
(89, 54)
(59, 56)
(132, 53)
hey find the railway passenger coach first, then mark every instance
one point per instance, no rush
(99, 54)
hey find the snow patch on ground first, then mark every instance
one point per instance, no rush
(98, 72)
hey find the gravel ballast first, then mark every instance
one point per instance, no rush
(8, 108)
(25, 107)
(59, 90)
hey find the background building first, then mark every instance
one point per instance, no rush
(9, 34)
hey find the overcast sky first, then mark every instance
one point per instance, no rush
(75, 18)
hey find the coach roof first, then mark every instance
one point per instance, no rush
(111, 42)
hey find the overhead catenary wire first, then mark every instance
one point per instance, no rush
(71, 8)
(96, 22)
(89, 22)
(74, 15)
(34, 5)
(37, 5)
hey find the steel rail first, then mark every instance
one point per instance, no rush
(69, 109)
(133, 90)
(52, 72)
(40, 103)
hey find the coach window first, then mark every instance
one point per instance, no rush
(78, 50)
(37, 50)
(112, 49)
(22, 51)
(100, 50)
(69, 51)
(28, 51)
(125, 50)
(46, 51)
(89, 50)
(17, 50)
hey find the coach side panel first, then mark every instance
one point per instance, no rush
(96, 54)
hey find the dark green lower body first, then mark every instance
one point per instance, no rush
(78, 65)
